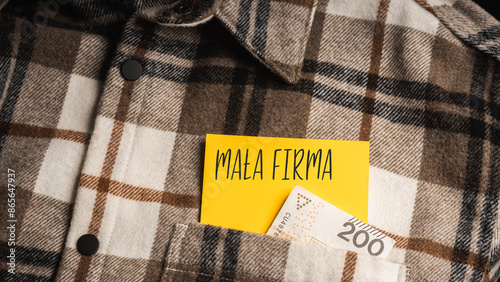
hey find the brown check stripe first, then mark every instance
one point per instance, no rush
(94, 153)
(373, 74)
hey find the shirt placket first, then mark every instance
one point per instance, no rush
(99, 228)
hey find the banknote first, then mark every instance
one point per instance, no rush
(308, 218)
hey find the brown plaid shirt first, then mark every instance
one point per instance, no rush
(89, 149)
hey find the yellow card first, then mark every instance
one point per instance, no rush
(247, 179)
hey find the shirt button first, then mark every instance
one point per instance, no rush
(183, 8)
(87, 245)
(475, 103)
(131, 70)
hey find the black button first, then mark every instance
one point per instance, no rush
(183, 8)
(131, 70)
(87, 244)
(475, 103)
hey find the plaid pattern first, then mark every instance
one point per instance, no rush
(94, 153)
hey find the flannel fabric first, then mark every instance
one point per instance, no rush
(91, 152)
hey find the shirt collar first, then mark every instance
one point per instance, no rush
(274, 31)
(469, 22)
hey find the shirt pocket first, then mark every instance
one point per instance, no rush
(200, 252)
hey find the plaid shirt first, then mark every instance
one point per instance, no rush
(87, 151)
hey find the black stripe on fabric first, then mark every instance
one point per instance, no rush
(25, 51)
(171, 72)
(233, 113)
(447, 122)
(31, 257)
(259, 41)
(89, 10)
(495, 93)
(473, 171)
(338, 97)
(231, 252)
(417, 91)
(496, 276)
(4, 73)
(488, 216)
(37, 257)
(494, 50)
(413, 90)
(495, 111)
(256, 106)
(495, 135)
(453, 123)
(240, 75)
(243, 23)
(495, 258)
(488, 34)
(408, 116)
(197, 74)
(208, 253)
(490, 204)
(495, 132)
